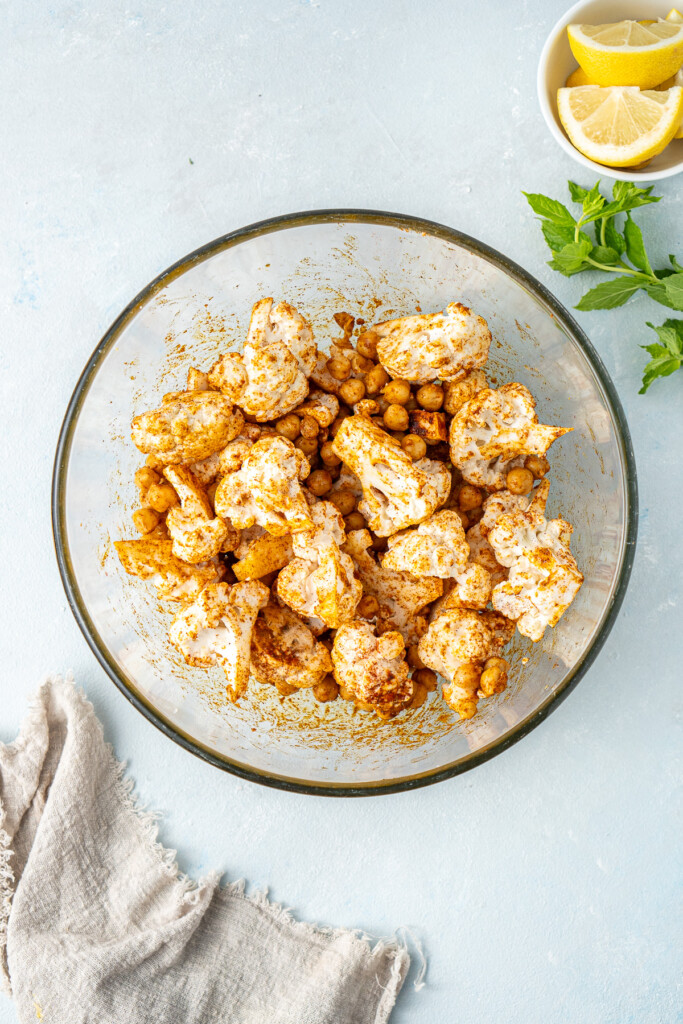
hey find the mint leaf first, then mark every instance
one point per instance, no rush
(676, 265)
(635, 248)
(613, 238)
(630, 196)
(670, 334)
(609, 294)
(593, 202)
(571, 259)
(549, 208)
(557, 235)
(667, 357)
(674, 290)
(604, 254)
(577, 193)
(658, 293)
(660, 366)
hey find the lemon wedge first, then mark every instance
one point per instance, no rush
(620, 126)
(676, 79)
(578, 77)
(626, 53)
(675, 16)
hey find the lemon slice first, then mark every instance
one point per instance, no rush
(674, 16)
(620, 126)
(626, 53)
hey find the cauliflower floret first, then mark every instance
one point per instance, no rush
(444, 345)
(397, 492)
(188, 427)
(544, 578)
(197, 380)
(319, 581)
(370, 670)
(267, 491)
(270, 378)
(152, 558)
(197, 535)
(400, 595)
(324, 408)
(216, 630)
(461, 645)
(438, 547)
(492, 432)
(285, 653)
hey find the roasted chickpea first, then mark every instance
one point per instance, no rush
(144, 478)
(397, 392)
(469, 497)
(154, 463)
(367, 345)
(396, 418)
(339, 367)
(419, 695)
(162, 496)
(430, 396)
(145, 520)
(413, 658)
(359, 364)
(415, 446)
(467, 676)
(375, 380)
(464, 519)
(352, 391)
(355, 521)
(344, 500)
(367, 607)
(319, 482)
(335, 425)
(425, 677)
(289, 426)
(309, 427)
(326, 690)
(475, 514)
(537, 465)
(328, 455)
(494, 677)
(519, 480)
(411, 405)
(308, 445)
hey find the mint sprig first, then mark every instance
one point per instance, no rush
(595, 241)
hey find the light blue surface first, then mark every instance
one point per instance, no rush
(545, 886)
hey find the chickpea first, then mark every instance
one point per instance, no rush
(308, 445)
(396, 418)
(367, 607)
(335, 425)
(469, 498)
(359, 364)
(415, 446)
(397, 392)
(352, 391)
(334, 471)
(339, 367)
(319, 482)
(519, 481)
(537, 465)
(328, 455)
(367, 345)
(162, 496)
(309, 427)
(411, 405)
(430, 396)
(467, 676)
(425, 677)
(464, 519)
(145, 520)
(355, 521)
(285, 689)
(419, 695)
(345, 501)
(496, 663)
(326, 690)
(474, 515)
(289, 426)
(413, 658)
(375, 380)
(144, 478)
(494, 677)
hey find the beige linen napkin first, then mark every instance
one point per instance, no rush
(97, 925)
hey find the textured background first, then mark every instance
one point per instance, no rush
(545, 885)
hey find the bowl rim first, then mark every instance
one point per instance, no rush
(61, 462)
(617, 173)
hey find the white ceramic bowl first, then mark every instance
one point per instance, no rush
(557, 62)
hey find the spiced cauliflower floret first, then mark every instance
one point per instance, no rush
(187, 427)
(152, 559)
(196, 533)
(285, 653)
(543, 577)
(370, 670)
(321, 406)
(444, 345)
(216, 629)
(438, 547)
(270, 378)
(397, 492)
(401, 597)
(493, 432)
(266, 491)
(464, 647)
(319, 581)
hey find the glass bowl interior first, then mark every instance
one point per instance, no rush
(374, 266)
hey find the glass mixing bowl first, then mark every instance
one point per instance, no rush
(375, 266)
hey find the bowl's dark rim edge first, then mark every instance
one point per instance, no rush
(265, 227)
